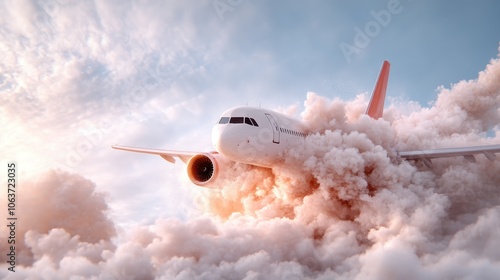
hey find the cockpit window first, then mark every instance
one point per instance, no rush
(236, 120)
(253, 122)
(245, 120)
(224, 120)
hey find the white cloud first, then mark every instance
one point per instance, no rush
(77, 77)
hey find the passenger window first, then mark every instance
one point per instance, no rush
(247, 121)
(236, 120)
(224, 120)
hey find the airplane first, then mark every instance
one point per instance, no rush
(259, 137)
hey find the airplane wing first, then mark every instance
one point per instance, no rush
(467, 152)
(165, 154)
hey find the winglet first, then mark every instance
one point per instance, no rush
(376, 107)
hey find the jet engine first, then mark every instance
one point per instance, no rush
(204, 169)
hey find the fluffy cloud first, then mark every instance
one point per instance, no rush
(60, 204)
(77, 76)
(341, 207)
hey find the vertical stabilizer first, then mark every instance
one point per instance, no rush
(376, 107)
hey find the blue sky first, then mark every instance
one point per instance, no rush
(79, 76)
(434, 43)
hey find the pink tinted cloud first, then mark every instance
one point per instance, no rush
(341, 207)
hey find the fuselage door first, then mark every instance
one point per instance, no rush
(276, 129)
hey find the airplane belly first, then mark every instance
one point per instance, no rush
(255, 151)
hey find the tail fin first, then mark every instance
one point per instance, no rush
(376, 106)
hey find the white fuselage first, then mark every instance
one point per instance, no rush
(256, 136)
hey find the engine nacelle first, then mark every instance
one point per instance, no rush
(203, 169)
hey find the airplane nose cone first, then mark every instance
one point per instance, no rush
(224, 141)
(218, 138)
(215, 136)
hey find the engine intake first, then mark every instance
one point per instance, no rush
(203, 169)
